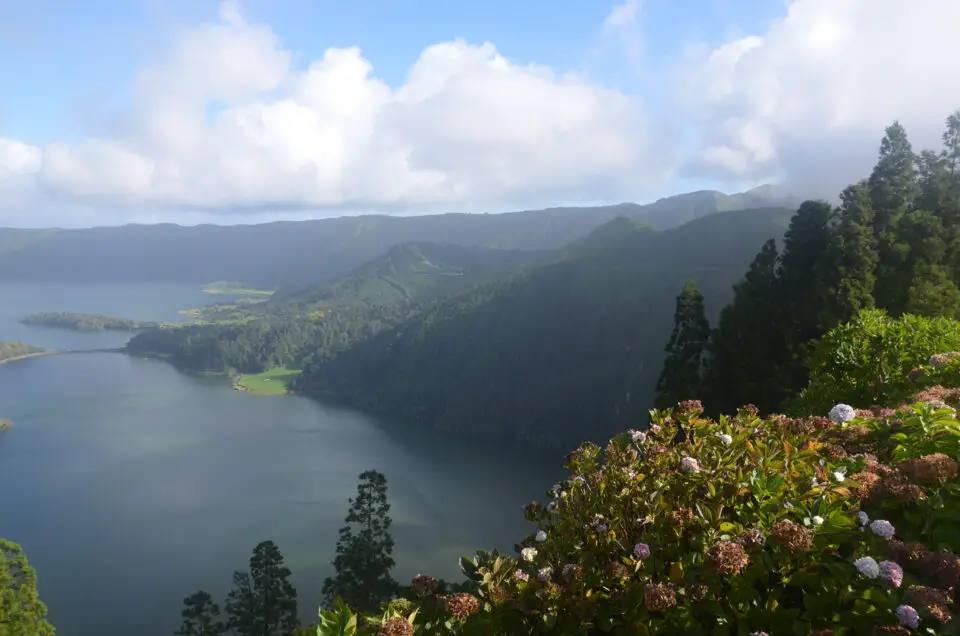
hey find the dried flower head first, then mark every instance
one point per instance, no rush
(699, 591)
(865, 483)
(658, 597)
(692, 407)
(795, 537)
(572, 571)
(936, 468)
(940, 360)
(423, 585)
(727, 557)
(689, 465)
(931, 601)
(752, 538)
(396, 626)
(461, 605)
(617, 570)
(751, 409)
(680, 517)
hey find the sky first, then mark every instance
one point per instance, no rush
(238, 111)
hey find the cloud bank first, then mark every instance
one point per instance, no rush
(804, 103)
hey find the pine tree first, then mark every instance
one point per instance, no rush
(893, 190)
(364, 549)
(682, 374)
(851, 258)
(262, 601)
(200, 616)
(22, 613)
(747, 343)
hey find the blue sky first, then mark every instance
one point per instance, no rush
(118, 110)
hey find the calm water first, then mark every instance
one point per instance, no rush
(131, 485)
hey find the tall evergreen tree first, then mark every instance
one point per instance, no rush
(364, 550)
(682, 375)
(22, 613)
(893, 191)
(747, 344)
(850, 261)
(200, 616)
(262, 601)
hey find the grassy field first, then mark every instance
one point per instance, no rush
(270, 382)
(235, 289)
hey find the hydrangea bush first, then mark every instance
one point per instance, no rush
(847, 522)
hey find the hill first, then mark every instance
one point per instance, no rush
(296, 254)
(407, 273)
(534, 355)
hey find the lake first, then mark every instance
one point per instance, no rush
(131, 485)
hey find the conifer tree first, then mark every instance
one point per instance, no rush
(747, 344)
(262, 601)
(364, 551)
(850, 260)
(200, 616)
(22, 613)
(682, 375)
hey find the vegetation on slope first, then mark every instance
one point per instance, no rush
(308, 252)
(535, 355)
(10, 351)
(85, 322)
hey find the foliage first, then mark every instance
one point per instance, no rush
(200, 616)
(682, 372)
(11, 350)
(814, 525)
(869, 359)
(85, 322)
(262, 601)
(364, 549)
(22, 613)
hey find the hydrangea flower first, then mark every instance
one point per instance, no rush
(908, 616)
(641, 550)
(863, 518)
(689, 465)
(520, 575)
(725, 439)
(882, 528)
(892, 573)
(638, 436)
(842, 413)
(544, 573)
(655, 429)
(868, 567)
(840, 475)
(529, 554)
(541, 536)
(817, 520)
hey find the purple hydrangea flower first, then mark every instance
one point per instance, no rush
(882, 528)
(641, 551)
(891, 573)
(908, 616)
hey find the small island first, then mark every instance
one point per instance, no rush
(10, 351)
(5, 424)
(227, 288)
(86, 322)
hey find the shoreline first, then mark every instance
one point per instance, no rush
(47, 352)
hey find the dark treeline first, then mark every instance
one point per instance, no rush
(85, 322)
(893, 243)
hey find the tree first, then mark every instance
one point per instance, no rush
(682, 374)
(22, 613)
(262, 601)
(747, 345)
(850, 259)
(200, 616)
(364, 549)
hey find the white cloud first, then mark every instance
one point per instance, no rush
(806, 101)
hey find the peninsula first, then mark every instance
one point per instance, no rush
(86, 322)
(10, 351)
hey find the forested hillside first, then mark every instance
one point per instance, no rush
(295, 254)
(536, 355)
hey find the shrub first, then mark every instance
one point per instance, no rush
(839, 524)
(868, 361)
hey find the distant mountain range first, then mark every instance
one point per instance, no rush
(302, 253)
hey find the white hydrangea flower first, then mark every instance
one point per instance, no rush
(689, 465)
(817, 520)
(842, 413)
(528, 554)
(863, 518)
(726, 440)
(868, 567)
(638, 436)
(541, 536)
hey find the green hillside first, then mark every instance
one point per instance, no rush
(298, 254)
(534, 355)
